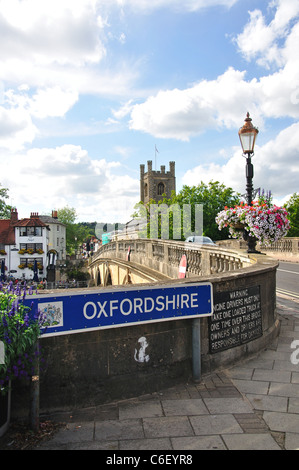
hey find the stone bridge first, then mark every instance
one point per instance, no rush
(141, 261)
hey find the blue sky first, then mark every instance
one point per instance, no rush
(89, 88)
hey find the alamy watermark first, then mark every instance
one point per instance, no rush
(295, 354)
(160, 221)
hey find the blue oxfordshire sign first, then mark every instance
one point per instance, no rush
(112, 308)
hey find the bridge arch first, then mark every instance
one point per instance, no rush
(117, 272)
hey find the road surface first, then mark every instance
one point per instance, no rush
(287, 279)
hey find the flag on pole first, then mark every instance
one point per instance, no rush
(156, 151)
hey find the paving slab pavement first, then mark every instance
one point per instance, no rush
(253, 405)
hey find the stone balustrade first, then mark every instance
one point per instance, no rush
(165, 256)
(286, 245)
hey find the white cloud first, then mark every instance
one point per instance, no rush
(16, 129)
(257, 38)
(52, 102)
(261, 41)
(48, 102)
(230, 173)
(181, 114)
(19, 109)
(59, 43)
(124, 110)
(61, 31)
(67, 175)
(63, 42)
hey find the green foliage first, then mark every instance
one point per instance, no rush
(292, 206)
(265, 197)
(5, 209)
(90, 226)
(76, 234)
(213, 197)
(67, 215)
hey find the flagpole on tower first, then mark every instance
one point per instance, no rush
(156, 151)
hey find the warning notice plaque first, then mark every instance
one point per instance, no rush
(237, 318)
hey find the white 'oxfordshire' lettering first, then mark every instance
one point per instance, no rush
(140, 305)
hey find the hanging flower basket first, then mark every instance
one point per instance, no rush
(267, 224)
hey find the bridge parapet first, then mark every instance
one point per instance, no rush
(287, 245)
(164, 256)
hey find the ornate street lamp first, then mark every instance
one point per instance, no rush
(248, 135)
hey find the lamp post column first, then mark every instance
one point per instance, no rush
(247, 135)
(249, 178)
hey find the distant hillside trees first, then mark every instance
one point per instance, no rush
(76, 234)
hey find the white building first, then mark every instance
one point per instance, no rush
(57, 234)
(22, 242)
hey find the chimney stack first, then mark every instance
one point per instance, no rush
(13, 216)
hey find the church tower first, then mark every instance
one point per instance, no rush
(153, 184)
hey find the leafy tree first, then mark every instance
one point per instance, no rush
(292, 206)
(214, 197)
(76, 234)
(5, 209)
(67, 215)
(90, 226)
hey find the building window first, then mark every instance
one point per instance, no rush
(30, 231)
(145, 189)
(160, 189)
(29, 262)
(31, 246)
